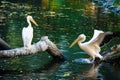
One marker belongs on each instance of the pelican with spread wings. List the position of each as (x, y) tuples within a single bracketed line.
[(93, 46)]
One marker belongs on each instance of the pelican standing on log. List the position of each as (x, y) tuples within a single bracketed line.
[(92, 47), (27, 32)]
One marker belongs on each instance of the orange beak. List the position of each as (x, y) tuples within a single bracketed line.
[(33, 21), (78, 39)]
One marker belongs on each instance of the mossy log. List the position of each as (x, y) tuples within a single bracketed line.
[(43, 45)]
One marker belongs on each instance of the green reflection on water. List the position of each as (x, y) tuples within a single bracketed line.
[(62, 21)]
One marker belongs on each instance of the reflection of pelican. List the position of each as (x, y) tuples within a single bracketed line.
[(92, 47), (92, 73), (27, 32)]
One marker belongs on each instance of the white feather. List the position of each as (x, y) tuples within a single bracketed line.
[(95, 36), (27, 32), (27, 35)]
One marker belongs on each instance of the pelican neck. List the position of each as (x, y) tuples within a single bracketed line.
[(29, 23)]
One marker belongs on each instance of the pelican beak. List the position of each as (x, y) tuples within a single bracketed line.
[(78, 39), (33, 21)]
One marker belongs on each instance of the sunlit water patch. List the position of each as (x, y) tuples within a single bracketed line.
[(82, 60)]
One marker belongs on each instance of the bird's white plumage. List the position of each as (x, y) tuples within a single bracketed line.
[(27, 32), (27, 35), (95, 36), (92, 47)]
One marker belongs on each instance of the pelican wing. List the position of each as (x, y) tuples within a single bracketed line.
[(95, 36), (100, 38)]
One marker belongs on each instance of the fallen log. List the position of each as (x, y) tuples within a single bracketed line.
[(112, 55), (43, 45)]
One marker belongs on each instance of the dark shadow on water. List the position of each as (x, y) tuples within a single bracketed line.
[(41, 73), (110, 71), (50, 66), (100, 71)]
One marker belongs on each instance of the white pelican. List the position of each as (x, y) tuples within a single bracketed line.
[(27, 32), (92, 47)]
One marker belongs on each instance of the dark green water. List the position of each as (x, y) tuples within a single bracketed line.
[(62, 21)]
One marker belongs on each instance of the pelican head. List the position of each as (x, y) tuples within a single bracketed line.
[(29, 18), (80, 38)]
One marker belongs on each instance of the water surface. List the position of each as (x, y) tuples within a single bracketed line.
[(62, 21)]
